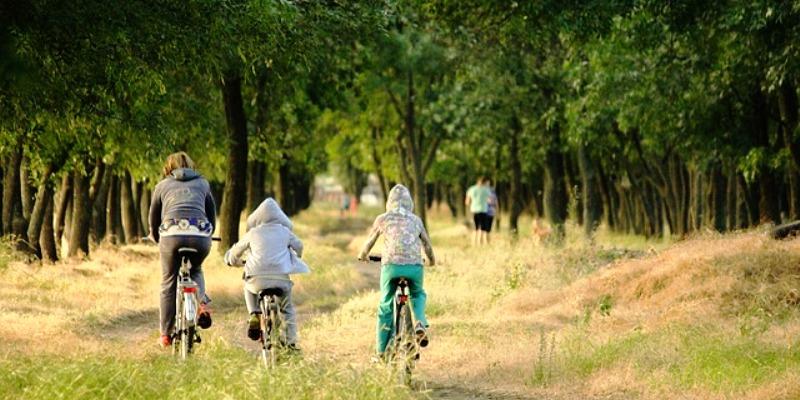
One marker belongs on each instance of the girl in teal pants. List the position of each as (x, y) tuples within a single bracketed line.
[(404, 238), (389, 274)]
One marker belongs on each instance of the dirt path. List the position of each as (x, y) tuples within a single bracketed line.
[(448, 392)]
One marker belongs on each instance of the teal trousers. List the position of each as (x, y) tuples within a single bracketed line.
[(389, 274)]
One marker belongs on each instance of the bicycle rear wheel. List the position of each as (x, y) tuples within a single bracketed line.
[(187, 331), (405, 345), (187, 341), (274, 333), (180, 325), (265, 331)]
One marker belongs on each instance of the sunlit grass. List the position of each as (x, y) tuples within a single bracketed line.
[(221, 371)]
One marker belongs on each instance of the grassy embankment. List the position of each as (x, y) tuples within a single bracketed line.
[(708, 317)]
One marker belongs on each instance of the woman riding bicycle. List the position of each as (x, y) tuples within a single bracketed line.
[(404, 234), (182, 214)]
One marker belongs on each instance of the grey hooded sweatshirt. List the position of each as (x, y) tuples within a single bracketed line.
[(404, 233), (184, 194), (274, 249)]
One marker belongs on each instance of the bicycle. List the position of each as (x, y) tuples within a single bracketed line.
[(187, 305), (272, 337), (404, 346)]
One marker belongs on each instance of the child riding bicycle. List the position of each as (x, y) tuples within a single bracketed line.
[(274, 253), (404, 234)]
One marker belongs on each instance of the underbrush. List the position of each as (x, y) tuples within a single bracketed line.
[(8, 253), (766, 291), (688, 357), (221, 371)]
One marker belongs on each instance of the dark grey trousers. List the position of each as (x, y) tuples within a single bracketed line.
[(170, 264)]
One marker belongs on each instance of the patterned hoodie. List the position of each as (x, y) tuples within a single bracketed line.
[(274, 249), (403, 232)]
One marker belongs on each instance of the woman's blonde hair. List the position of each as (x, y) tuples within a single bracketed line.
[(177, 160)]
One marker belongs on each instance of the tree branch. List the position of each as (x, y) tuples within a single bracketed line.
[(395, 102), (431, 155)]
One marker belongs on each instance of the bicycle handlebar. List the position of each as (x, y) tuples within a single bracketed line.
[(149, 239)]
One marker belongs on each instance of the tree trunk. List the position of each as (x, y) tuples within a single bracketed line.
[(26, 193), (555, 196), (515, 191), (79, 234), (732, 205), (574, 190), (459, 191), (47, 242), (293, 186), (99, 205), (592, 203), (719, 196), (137, 189), (788, 107), (376, 159), (609, 198), (114, 229), (62, 208), (415, 150), (130, 218), (233, 198), (698, 213), (43, 197), (750, 202), (767, 203), (255, 184), (11, 190), (144, 210), (3, 170)]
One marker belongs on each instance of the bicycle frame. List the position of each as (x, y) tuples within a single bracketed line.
[(403, 343)]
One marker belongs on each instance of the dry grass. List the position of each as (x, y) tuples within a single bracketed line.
[(709, 317)]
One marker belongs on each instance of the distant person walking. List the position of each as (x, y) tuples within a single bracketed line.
[(492, 207), (478, 202)]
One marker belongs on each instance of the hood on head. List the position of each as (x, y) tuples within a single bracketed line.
[(268, 212), (399, 197), (184, 174)]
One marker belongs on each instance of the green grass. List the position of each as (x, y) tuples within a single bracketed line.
[(221, 371), (691, 358), (729, 364)]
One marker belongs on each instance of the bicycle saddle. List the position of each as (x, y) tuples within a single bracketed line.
[(186, 250), (271, 292), (401, 281)]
